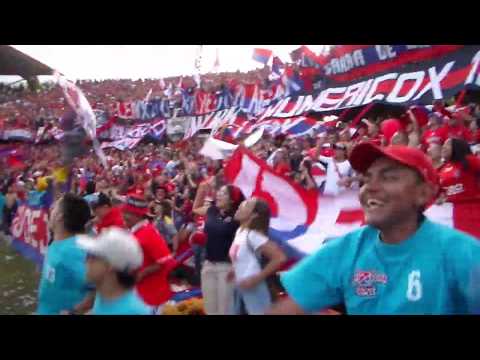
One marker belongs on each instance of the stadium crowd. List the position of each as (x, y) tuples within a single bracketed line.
[(182, 215)]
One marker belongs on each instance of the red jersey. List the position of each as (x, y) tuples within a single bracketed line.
[(155, 288), (170, 187), (438, 136), (112, 218), (282, 169), (458, 184), (476, 136), (458, 132), (326, 151)]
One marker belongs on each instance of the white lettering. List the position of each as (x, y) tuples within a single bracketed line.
[(335, 66), (281, 106), (417, 76), (350, 94), (32, 228), (273, 109), (343, 67), (358, 58), (359, 99), (348, 62), (435, 81), (18, 223), (294, 109), (474, 70), (369, 98), (385, 52), (330, 102), (454, 189), (306, 105)]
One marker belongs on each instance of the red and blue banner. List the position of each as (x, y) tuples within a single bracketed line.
[(303, 220), (350, 62), (30, 229), (261, 55)]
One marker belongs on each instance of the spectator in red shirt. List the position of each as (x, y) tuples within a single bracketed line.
[(434, 133), (475, 131), (455, 129), (460, 184), (107, 216), (152, 278), (435, 152)]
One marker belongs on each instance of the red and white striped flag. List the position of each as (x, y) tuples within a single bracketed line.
[(302, 220)]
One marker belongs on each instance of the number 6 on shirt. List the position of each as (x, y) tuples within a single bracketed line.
[(414, 289)]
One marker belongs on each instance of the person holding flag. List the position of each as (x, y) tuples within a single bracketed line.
[(400, 262)]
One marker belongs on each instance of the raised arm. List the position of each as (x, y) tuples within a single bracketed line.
[(199, 207)]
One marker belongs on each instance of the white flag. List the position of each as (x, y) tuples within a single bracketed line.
[(79, 103), (217, 149), (162, 84), (169, 91), (178, 90), (197, 79), (149, 94)]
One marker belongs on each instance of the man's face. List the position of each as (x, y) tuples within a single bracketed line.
[(245, 210), (434, 151), (392, 193), (160, 194)]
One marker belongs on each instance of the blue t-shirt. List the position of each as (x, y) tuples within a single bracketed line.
[(63, 283), (127, 304), (436, 271), (40, 198)]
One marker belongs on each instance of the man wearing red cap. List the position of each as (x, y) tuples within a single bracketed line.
[(401, 262), (152, 278)]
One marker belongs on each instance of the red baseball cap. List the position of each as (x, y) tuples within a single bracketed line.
[(136, 204), (364, 154)]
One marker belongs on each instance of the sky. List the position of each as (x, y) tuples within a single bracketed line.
[(147, 61)]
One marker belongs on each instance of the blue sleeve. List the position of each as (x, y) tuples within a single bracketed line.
[(464, 262), (315, 283)]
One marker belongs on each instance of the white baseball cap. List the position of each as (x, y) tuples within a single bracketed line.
[(118, 247)]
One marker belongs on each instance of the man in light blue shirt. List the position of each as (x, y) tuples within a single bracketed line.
[(112, 260), (63, 283), (401, 262)]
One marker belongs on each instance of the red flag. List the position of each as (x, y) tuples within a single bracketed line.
[(14, 162), (262, 55)]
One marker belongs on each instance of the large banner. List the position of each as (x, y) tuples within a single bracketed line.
[(30, 231), (411, 84), (127, 137), (350, 62), (303, 220), (398, 75), (19, 134)]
